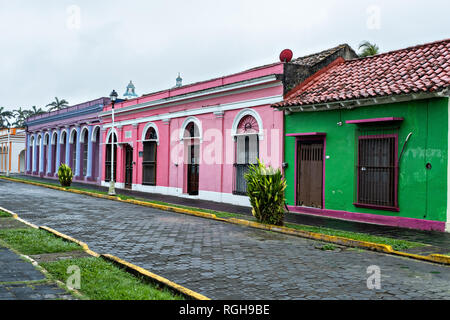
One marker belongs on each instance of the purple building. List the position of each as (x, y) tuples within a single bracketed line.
[(71, 136)]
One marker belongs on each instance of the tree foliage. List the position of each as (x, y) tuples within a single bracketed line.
[(368, 49)]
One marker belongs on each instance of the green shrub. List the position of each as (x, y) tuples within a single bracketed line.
[(65, 175), (265, 188)]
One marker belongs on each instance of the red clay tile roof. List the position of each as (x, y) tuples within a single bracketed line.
[(423, 68)]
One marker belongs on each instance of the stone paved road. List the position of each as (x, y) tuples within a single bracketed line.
[(223, 261)]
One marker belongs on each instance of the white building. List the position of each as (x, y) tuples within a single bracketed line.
[(13, 161)]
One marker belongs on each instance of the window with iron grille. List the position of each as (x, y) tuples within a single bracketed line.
[(85, 152), (149, 159), (247, 152), (108, 162), (377, 171), (74, 152)]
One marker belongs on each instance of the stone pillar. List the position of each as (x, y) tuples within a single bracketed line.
[(90, 159), (68, 147), (49, 154), (120, 174), (58, 151), (41, 154), (78, 154), (28, 153), (102, 167), (34, 153), (136, 161)]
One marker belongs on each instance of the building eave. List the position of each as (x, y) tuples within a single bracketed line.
[(356, 103)]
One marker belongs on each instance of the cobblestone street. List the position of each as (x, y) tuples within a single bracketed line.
[(220, 260)]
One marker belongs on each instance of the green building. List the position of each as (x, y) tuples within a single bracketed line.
[(367, 139)]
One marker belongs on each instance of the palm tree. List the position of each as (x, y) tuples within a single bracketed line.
[(368, 49), (58, 104), (35, 111), (5, 116), (20, 117)]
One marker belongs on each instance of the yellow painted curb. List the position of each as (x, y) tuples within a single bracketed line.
[(154, 277), (437, 258), (69, 238), (16, 217)]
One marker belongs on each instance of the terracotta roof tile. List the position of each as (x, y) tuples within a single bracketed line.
[(423, 68)]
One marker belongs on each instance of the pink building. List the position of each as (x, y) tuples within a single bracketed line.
[(197, 140)]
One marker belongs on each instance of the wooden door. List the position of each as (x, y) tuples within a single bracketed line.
[(310, 174), (128, 166), (193, 170)]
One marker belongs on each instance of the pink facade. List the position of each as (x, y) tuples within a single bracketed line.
[(204, 135)]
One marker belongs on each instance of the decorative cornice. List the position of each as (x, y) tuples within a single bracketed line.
[(204, 110), (244, 86)]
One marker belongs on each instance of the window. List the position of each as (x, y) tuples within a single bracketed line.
[(74, 151), (247, 151), (377, 172), (149, 160), (108, 158), (192, 152), (85, 152)]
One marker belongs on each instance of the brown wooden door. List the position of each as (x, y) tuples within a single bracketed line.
[(128, 167), (193, 170), (310, 174)]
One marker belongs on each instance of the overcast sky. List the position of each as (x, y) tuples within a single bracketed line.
[(81, 50)]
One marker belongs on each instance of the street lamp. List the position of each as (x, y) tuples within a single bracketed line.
[(113, 97)]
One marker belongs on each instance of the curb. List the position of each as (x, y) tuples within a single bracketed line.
[(129, 267), (138, 271), (435, 258), (70, 239)]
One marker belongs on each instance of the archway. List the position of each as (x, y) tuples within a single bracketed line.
[(112, 141), (149, 163), (246, 151), (191, 139)]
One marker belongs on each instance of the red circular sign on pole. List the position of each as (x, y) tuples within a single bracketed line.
[(286, 55)]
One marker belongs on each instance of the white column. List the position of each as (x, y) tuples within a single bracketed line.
[(68, 147), (49, 153), (28, 152), (34, 153), (89, 154), (78, 153), (41, 154)]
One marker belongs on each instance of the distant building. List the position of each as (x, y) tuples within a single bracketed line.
[(71, 136), (13, 161)]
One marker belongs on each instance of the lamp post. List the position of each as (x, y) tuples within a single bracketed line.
[(113, 97)]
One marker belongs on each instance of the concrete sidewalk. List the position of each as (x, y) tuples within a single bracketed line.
[(439, 241), (19, 280)]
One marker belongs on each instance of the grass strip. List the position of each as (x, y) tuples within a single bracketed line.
[(4, 214), (34, 241), (101, 280)]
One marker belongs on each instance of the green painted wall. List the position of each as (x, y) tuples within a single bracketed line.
[(422, 193)]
